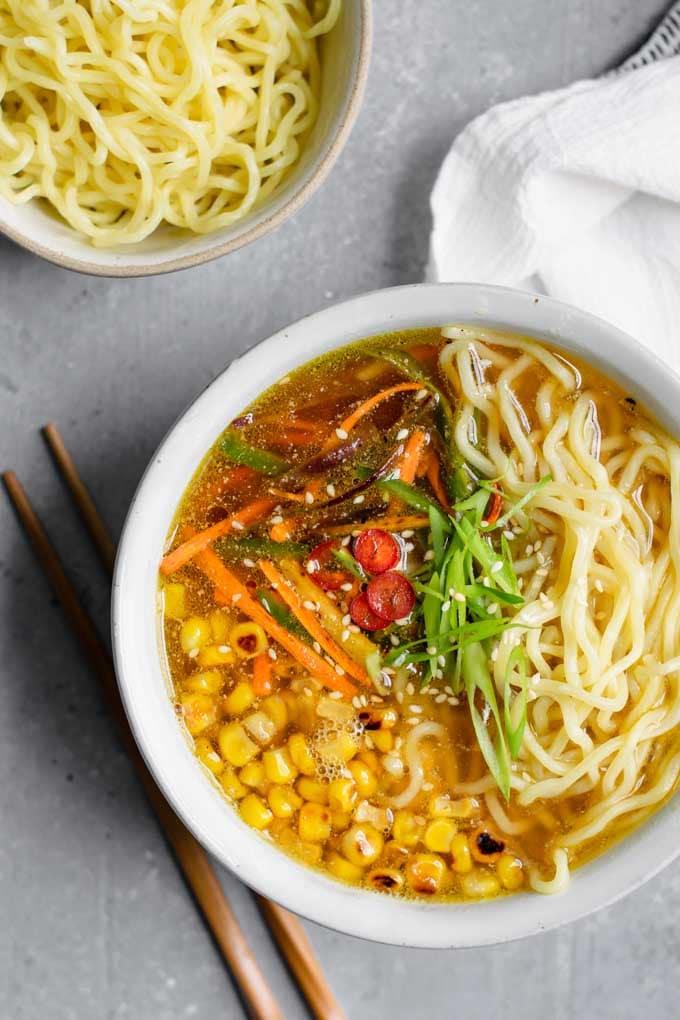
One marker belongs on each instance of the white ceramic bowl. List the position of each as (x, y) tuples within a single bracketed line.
[(145, 687), (345, 51)]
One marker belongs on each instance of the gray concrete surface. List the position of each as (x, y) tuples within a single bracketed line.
[(95, 921)]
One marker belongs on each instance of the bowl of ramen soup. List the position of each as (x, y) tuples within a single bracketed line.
[(396, 615), (141, 138)]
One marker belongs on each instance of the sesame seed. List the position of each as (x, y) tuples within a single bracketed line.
[(448, 689), (421, 394), (441, 660), (307, 692), (354, 629), (493, 608), (413, 720), (529, 549), (237, 526), (308, 604), (598, 585), (347, 586), (346, 540), (440, 699), (335, 695), (331, 662), (453, 701), (509, 535), (398, 743), (431, 649), (438, 674), (311, 567), (236, 596), (410, 689), (409, 546), (429, 555), (356, 702), (368, 740), (416, 709), (317, 647), (541, 572), (409, 533), (364, 700), (541, 558), (427, 787), (537, 545), (339, 670), (494, 653), (486, 582), (459, 597), (272, 654), (399, 450), (193, 653), (345, 635), (309, 497), (346, 620), (495, 567), (359, 499), (394, 640), (330, 489), (399, 696), (341, 433), (248, 563), (402, 434)]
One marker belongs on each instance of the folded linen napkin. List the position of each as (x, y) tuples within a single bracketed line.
[(576, 193)]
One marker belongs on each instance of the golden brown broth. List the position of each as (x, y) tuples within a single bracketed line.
[(294, 419)]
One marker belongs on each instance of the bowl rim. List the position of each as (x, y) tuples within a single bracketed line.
[(330, 151), (143, 685)]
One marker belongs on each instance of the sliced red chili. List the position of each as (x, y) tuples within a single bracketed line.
[(376, 551), (363, 615), (494, 507), (391, 596), (322, 566)]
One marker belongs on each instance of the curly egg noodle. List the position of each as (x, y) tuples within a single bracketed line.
[(603, 639), (124, 114)]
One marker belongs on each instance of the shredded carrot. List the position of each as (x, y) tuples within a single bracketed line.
[(363, 409), (202, 539), (433, 473), (262, 675), (410, 458), (282, 531), (310, 622), (392, 522), (291, 497), (231, 590)]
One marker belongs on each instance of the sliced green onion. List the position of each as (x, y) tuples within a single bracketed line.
[(477, 678), (237, 450), (514, 727), (282, 614), (521, 503), (349, 563)]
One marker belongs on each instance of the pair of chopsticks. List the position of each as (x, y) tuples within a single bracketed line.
[(190, 856)]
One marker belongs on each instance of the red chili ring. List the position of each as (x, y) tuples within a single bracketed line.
[(391, 596), (320, 564), (377, 551), (363, 615)]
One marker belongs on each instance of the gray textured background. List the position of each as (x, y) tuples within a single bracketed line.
[(95, 921)]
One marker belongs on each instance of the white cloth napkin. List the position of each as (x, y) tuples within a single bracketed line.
[(576, 193)]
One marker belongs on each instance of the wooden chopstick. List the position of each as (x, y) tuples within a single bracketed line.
[(286, 929), (191, 857)]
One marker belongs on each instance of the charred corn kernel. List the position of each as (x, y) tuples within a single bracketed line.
[(340, 820), (383, 740), (485, 845), (248, 639), (438, 835), (362, 845), (425, 873), (407, 828), (370, 758), (311, 853), (278, 766), (388, 879), (461, 858), (208, 681), (174, 600), (444, 807), (232, 785), (260, 726), (220, 624), (374, 719), (312, 790), (215, 655), (510, 872), (236, 747), (341, 747), (276, 709), (206, 753), (364, 777), (301, 754), (342, 794), (342, 868), (194, 633), (479, 885), (284, 801), (314, 823), (239, 699), (200, 712), (253, 774), (255, 812)]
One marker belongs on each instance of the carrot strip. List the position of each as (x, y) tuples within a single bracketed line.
[(202, 539), (433, 473), (262, 675), (389, 523), (409, 460), (291, 497), (231, 590), (363, 409), (310, 622)]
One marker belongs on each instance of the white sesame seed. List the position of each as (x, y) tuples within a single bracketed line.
[(248, 563), (429, 555), (335, 695), (529, 549), (494, 653), (438, 674), (441, 660), (413, 720), (237, 526), (359, 499), (416, 709), (598, 585), (311, 567), (309, 497), (346, 540), (409, 533), (193, 653), (347, 586), (356, 702), (368, 740), (495, 567), (364, 700), (509, 535), (486, 582), (330, 489), (317, 647), (421, 394), (440, 699), (224, 649), (493, 608), (354, 629), (394, 641), (331, 662), (307, 692), (431, 649), (399, 696), (448, 689), (446, 606), (537, 545), (339, 670), (398, 743), (272, 654), (427, 787), (402, 434), (345, 635), (399, 450), (541, 558), (236, 596), (410, 689), (453, 701), (542, 572), (346, 620), (308, 604), (409, 546), (459, 597), (341, 433)]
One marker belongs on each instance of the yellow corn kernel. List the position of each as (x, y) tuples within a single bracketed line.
[(394, 855), (239, 699), (236, 747), (290, 699), (425, 873), (288, 838), (370, 758), (200, 712), (255, 812), (278, 766), (340, 820), (387, 879), (208, 681), (260, 726), (312, 790), (253, 774), (220, 624), (461, 858), (284, 801), (194, 633), (207, 754), (275, 707), (407, 828), (364, 777), (444, 807), (362, 845), (341, 747), (383, 740), (311, 853), (215, 655), (314, 823), (438, 835), (248, 639), (232, 785), (174, 600), (342, 868), (510, 871), (301, 754), (480, 885), (342, 794)]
